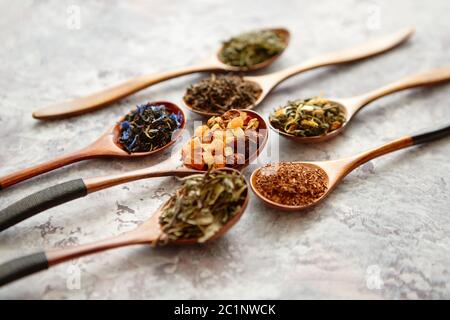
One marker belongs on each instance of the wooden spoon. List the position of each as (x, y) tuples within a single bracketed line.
[(106, 97), (78, 188), (336, 170), (106, 146), (269, 81), (350, 106), (148, 232)]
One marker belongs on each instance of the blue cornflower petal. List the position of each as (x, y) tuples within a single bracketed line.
[(124, 125), (132, 144), (158, 108), (173, 117), (141, 108), (125, 135), (176, 118)]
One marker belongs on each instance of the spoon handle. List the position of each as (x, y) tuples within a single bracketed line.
[(133, 237), (356, 53), (41, 201), (22, 267), (401, 143), (432, 77), (430, 135), (59, 162), (105, 97), (27, 265), (71, 190)]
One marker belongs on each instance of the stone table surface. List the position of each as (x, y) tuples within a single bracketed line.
[(383, 233)]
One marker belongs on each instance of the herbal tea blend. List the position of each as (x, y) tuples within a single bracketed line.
[(221, 93), (203, 205), (251, 48), (225, 140), (148, 128), (307, 118), (291, 184)]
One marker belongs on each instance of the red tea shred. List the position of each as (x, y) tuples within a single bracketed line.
[(291, 184)]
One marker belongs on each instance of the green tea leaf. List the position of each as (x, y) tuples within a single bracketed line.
[(202, 205)]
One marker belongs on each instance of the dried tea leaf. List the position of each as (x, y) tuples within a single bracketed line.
[(148, 128), (251, 48), (221, 93), (308, 118), (202, 205)]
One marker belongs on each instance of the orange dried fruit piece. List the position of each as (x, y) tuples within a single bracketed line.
[(236, 123)]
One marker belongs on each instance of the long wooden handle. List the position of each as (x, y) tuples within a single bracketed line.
[(22, 267), (64, 192), (108, 96), (59, 162), (432, 77), (56, 256), (41, 201), (356, 53), (27, 265), (100, 183), (423, 137)]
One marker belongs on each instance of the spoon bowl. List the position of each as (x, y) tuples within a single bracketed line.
[(114, 133), (284, 207), (322, 138), (213, 114), (263, 129), (285, 36), (231, 222)]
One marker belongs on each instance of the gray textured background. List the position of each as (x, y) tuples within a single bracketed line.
[(391, 215)]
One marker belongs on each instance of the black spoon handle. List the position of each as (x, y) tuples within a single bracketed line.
[(41, 201), (21, 267), (428, 135)]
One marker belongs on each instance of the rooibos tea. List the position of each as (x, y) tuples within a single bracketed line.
[(291, 184)]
